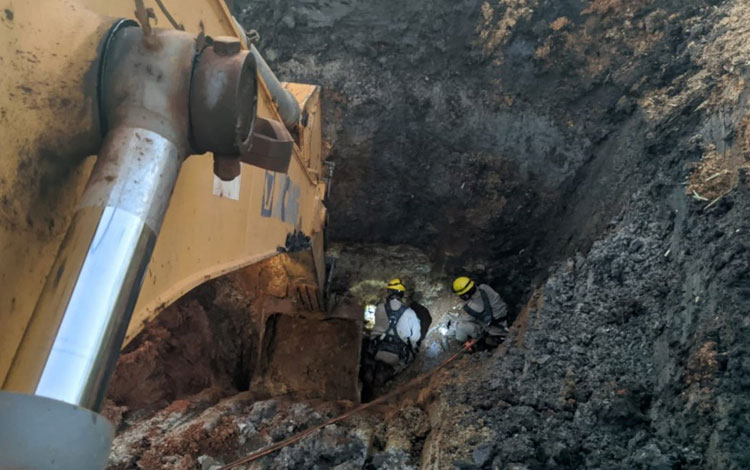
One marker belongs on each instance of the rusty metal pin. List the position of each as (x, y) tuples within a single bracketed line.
[(226, 168), (227, 45)]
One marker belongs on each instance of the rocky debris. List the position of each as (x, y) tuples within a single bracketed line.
[(632, 356), (628, 363), (524, 141), (200, 433), (530, 129)]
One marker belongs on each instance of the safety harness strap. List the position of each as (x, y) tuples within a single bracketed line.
[(391, 342), (393, 317), (485, 316)]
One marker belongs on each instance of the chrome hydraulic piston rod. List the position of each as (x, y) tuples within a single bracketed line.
[(147, 88), (94, 282), (119, 217)]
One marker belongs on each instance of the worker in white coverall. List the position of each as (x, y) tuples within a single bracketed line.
[(397, 329), (485, 315)]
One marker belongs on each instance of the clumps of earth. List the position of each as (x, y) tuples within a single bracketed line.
[(589, 160)]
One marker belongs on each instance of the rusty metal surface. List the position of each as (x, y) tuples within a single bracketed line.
[(148, 87), (288, 365), (271, 148), (223, 98), (227, 45), (287, 317), (227, 168)]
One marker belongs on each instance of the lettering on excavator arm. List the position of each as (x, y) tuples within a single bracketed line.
[(280, 198)]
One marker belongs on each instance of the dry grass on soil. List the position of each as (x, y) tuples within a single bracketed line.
[(717, 173), (601, 7)]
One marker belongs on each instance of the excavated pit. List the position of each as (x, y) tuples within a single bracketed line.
[(248, 330), (588, 159)]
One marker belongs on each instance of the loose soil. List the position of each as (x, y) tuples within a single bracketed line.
[(589, 161)]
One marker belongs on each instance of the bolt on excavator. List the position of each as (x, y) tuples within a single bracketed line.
[(147, 148)]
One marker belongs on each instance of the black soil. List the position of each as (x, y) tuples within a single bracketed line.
[(638, 357), (540, 140), (492, 135)]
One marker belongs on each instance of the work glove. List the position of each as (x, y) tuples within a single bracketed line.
[(469, 345)]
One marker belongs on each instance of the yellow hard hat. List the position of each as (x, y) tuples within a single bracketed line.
[(462, 285), (396, 284)]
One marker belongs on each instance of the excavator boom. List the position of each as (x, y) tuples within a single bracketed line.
[(147, 148)]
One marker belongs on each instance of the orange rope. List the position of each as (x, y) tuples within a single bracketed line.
[(301, 435)]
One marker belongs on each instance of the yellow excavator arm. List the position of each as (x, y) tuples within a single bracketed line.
[(204, 163)]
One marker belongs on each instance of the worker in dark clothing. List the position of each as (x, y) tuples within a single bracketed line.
[(485, 315)]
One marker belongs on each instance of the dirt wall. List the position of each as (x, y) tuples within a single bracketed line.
[(204, 340), (595, 148), (501, 136), (594, 152)]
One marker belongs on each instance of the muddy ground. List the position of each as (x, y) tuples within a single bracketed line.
[(590, 161)]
